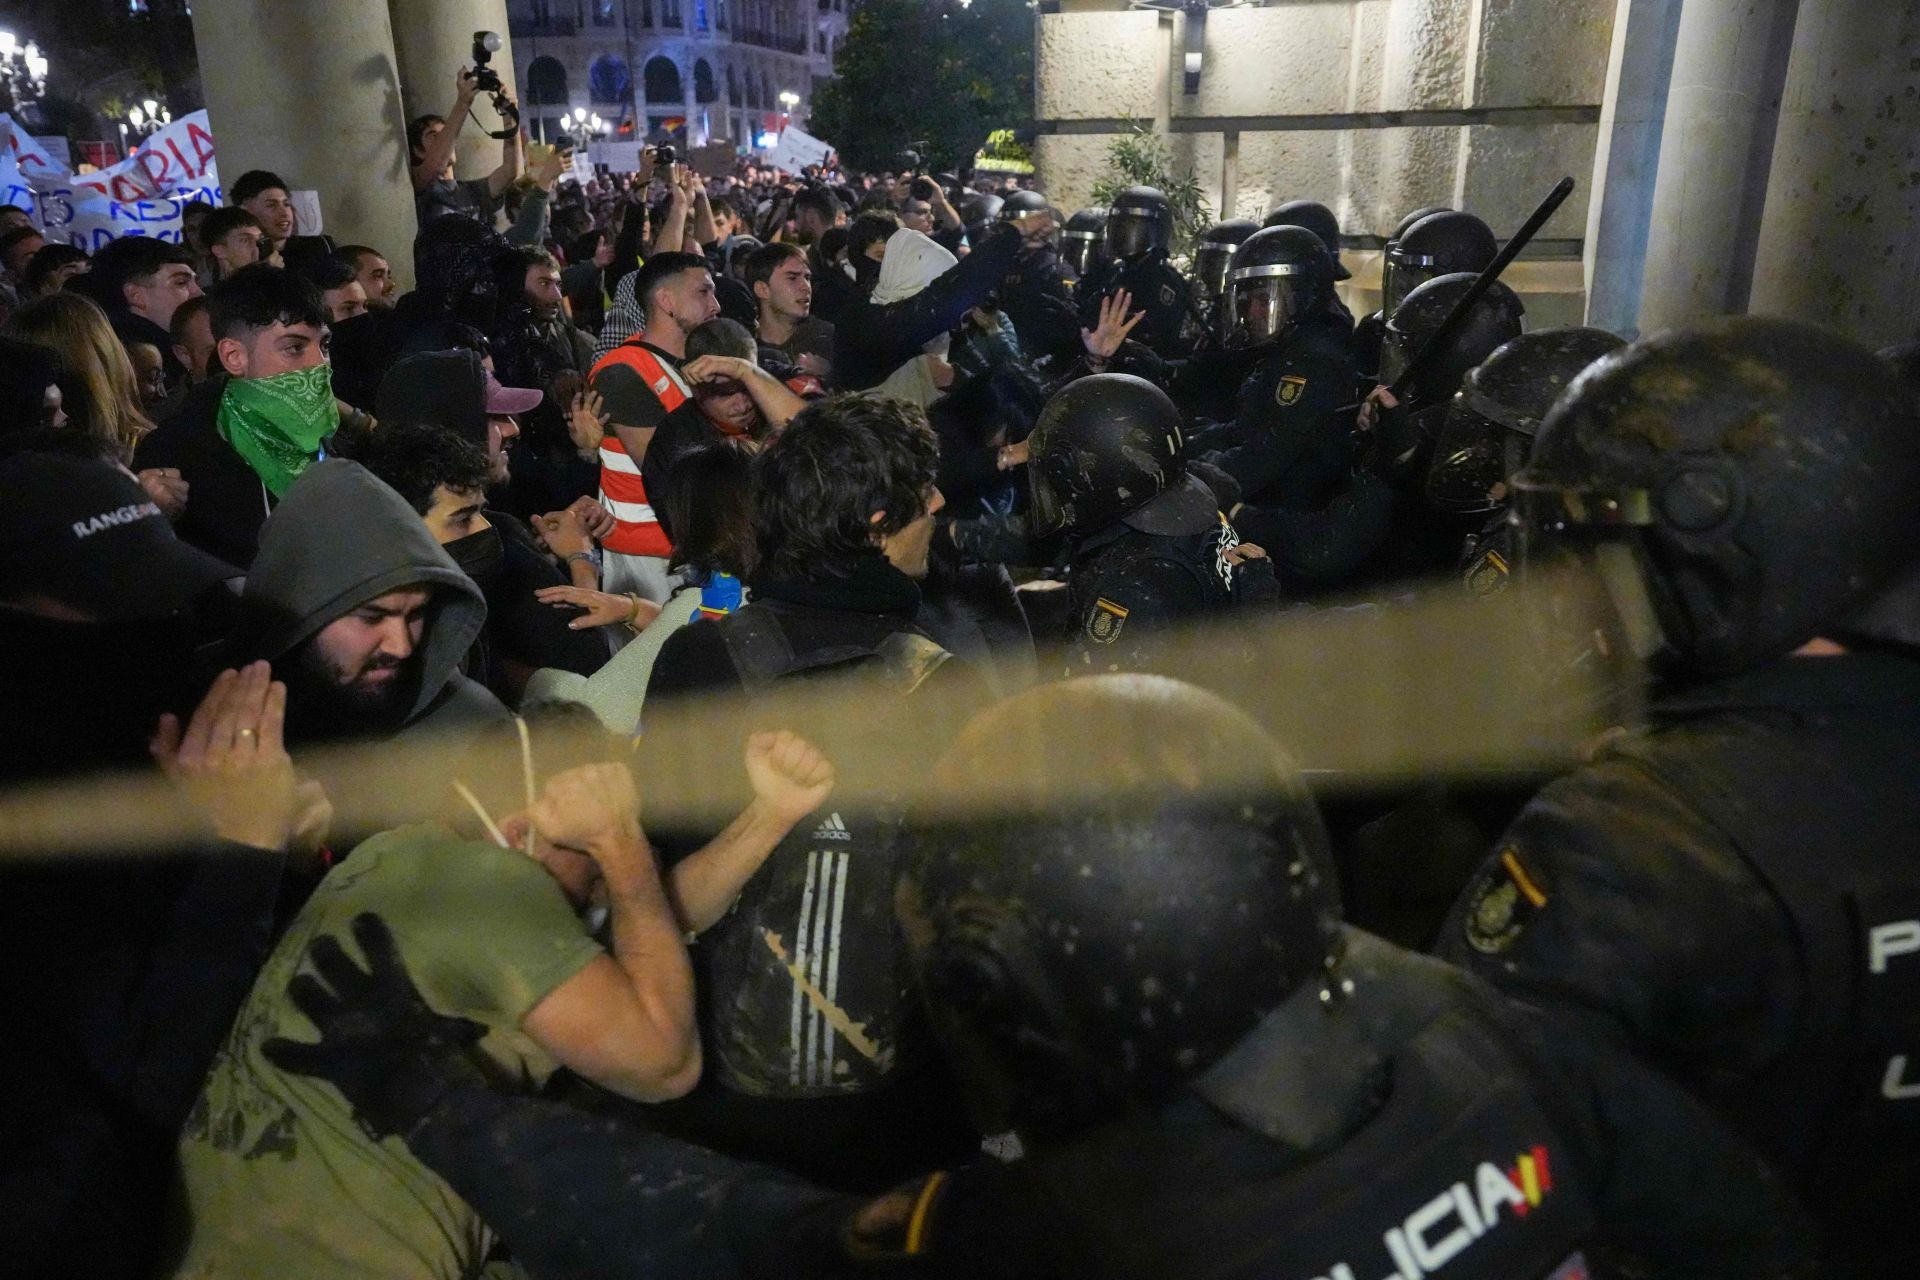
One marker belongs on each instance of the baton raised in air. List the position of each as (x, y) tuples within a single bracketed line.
[(1463, 308)]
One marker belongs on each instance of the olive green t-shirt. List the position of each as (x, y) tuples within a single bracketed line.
[(277, 1179)]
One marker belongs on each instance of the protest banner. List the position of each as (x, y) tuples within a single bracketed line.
[(797, 149), (143, 195)]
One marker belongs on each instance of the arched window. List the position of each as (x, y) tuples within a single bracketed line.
[(663, 81), (546, 82), (608, 79), (703, 90), (753, 90)]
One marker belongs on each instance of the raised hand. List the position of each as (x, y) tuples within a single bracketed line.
[(790, 777), (587, 421), (231, 761), (1105, 338), (589, 808)]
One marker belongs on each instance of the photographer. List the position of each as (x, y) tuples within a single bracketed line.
[(430, 145)]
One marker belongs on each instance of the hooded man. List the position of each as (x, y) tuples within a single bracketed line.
[(363, 615)]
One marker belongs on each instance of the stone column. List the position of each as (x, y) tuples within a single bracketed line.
[(310, 92), (1840, 240), (1626, 161), (1716, 153), (432, 40)]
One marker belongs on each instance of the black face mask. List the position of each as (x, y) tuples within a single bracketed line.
[(86, 695), (480, 555)]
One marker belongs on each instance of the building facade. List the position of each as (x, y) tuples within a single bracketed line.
[(721, 66)]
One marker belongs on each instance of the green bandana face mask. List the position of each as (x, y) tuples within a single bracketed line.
[(277, 423)]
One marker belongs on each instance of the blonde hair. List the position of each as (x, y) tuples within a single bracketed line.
[(93, 363)]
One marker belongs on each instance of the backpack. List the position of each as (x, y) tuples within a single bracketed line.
[(806, 984)]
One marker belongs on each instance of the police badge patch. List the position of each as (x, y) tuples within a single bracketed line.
[(1503, 900), (1167, 295), (1104, 626), (1291, 388)]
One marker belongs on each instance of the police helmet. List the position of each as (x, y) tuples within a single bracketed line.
[(1019, 203), (1492, 420), (1495, 319), (1083, 241), (1738, 488), (1214, 254), (1316, 218), (1439, 244), (1139, 222), (1110, 930), (1106, 449), (978, 211), (1278, 276)]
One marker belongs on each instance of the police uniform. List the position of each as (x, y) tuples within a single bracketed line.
[(1155, 287), (1501, 1151), (1294, 424), (1036, 297), (1736, 894), (1128, 588)]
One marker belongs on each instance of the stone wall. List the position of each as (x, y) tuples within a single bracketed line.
[(1373, 107)]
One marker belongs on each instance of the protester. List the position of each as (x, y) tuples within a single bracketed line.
[(341, 292), (431, 144), (268, 198), (232, 238), (156, 947), (503, 933), (49, 270), (444, 478), (640, 382), (243, 437), (140, 283), (372, 270)]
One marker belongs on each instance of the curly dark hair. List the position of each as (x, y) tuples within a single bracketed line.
[(817, 487), (416, 458)]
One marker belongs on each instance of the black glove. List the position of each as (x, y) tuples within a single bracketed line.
[(380, 1045)]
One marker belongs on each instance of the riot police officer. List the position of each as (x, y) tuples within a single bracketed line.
[(1034, 292), (1367, 334), (1489, 430), (1211, 258), (1139, 229), (1732, 890), (1400, 434), (1440, 244), (1083, 243), (1135, 962), (1149, 546), (1320, 220), (1291, 437)]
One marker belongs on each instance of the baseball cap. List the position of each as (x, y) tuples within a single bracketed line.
[(505, 402), (85, 533)]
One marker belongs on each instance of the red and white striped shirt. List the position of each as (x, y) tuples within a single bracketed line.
[(637, 530)]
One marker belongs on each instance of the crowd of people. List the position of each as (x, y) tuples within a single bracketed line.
[(976, 467)]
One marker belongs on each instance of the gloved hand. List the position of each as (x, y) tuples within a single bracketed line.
[(380, 1044)]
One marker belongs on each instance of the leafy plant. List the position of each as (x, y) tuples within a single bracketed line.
[(1141, 157)]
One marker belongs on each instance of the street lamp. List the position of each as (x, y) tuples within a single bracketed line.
[(23, 72), (788, 101)]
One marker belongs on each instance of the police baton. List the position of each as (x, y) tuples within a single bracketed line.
[(1437, 344)]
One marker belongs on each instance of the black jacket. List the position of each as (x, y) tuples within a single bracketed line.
[(871, 341), (226, 501), (1728, 893)]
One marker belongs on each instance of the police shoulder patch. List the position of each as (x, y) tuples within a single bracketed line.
[(1292, 387), (1502, 900), (1167, 295), (1103, 626)]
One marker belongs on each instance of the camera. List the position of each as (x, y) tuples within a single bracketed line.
[(487, 80), (923, 188), (662, 155)]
